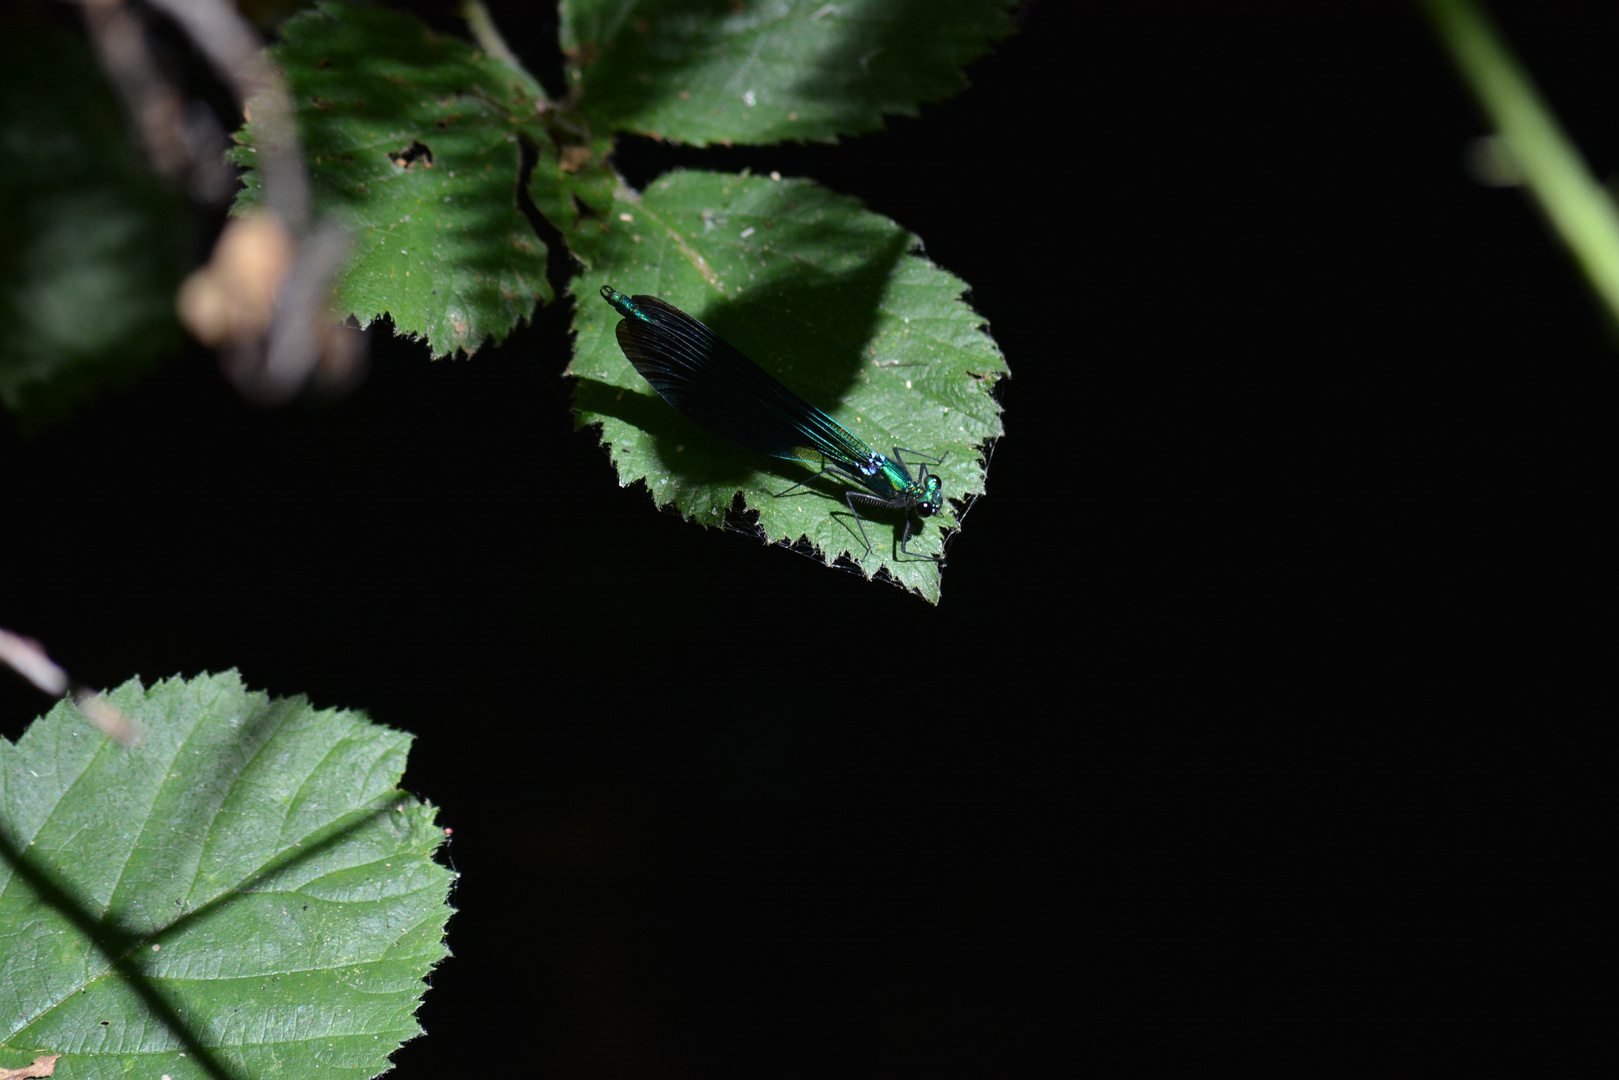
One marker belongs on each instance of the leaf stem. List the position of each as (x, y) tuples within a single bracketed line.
[(1578, 206), (487, 35)]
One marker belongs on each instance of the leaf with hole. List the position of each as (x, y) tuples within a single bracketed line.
[(417, 141)]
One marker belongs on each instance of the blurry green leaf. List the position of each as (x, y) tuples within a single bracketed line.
[(416, 141), (244, 893), (92, 244), (768, 71), (828, 298)]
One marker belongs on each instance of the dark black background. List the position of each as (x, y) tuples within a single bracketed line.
[(1252, 720)]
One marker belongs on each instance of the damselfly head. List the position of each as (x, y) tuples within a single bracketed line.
[(932, 494)]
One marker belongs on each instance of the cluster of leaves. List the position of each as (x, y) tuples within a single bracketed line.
[(422, 142), (246, 892), (243, 893)]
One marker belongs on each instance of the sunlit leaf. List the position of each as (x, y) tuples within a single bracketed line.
[(417, 141), (244, 893), (830, 299), (769, 71)]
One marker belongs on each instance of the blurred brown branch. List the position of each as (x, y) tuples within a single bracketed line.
[(261, 302)]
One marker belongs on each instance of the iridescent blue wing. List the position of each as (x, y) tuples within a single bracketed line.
[(708, 379)]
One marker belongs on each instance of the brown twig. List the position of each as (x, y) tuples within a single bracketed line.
[(28, 658), (261, 301)]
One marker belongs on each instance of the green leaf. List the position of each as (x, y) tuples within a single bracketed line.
[(806, 70), (830, 299), (245, 893), (416, 140), (92, 244)]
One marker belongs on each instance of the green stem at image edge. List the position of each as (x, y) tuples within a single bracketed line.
[(1579, 208)]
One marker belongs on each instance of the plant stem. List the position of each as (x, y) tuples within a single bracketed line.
[(1579, 207), (487, 35)]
